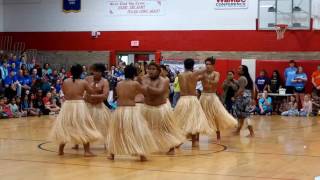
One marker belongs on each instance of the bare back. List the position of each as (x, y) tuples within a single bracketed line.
[(188, 82), (74, 90), (127, 90), (157, 92), (210, 82)]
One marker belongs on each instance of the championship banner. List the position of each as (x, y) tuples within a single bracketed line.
[(231, 4), (71, 5), (136, 7)]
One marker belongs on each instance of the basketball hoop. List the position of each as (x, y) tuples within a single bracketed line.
[(280, 30)]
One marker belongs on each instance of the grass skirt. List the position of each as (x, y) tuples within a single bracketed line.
[(101, 117), (74, 124), (217, 115), (190, 116), (164, 129), (129, 133)]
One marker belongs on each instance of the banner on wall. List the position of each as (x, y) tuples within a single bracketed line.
[(136, 7), (231, 4), (71, 5)]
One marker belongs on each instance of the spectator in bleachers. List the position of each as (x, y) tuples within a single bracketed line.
[(289, 75), (14, 60), (45, 85), (38, 103), (62, 74), (58, 86), (14, 68), (50, 104), (262, 82), (84, 73), (31, 65), (4, 70), (29, 106), (14, 108), (3, 113), (299, 81), (46, 70), (306, 106), (229, 87), (23, 113), (10, 84), (292, 108)]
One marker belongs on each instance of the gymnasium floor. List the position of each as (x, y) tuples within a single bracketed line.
[(284, 148)]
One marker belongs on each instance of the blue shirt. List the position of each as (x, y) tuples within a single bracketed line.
[(28, 80), (261, 82), (300, 85), (290, 74), (263, 102), (10, 80), (21, 80)]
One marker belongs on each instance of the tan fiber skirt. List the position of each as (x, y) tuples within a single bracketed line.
[(163, 127), (129, 133), (190, 116), (217, 115), (74, 124), (101, 117)]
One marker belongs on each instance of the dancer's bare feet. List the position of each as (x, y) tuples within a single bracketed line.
[(88, 154), (61, 148), (143, 158), (111, 157), (171, 152), (218, 137), (76, 147), (195, 143)]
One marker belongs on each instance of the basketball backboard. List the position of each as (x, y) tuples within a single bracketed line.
[(294, 13)]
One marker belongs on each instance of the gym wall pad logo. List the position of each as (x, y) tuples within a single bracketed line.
[(231, 4)]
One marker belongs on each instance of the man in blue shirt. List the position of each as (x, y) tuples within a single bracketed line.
[(289, 75), (262, 82), (10, 84)]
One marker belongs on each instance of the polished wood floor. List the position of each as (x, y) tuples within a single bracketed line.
[(284, 148)]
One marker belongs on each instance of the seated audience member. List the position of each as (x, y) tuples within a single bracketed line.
[(262, 82), (29, 107), (38, 103), (315, 103), (14, 108), (306, 106), (292, 108), (283, 106), (3, 114), (55, 96), (23, 112), (4, 70), (50, 104), (265, 104)]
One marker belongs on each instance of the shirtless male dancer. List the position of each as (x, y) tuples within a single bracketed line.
[(74, 123), (217, 115), (158, 112), (188, 112)]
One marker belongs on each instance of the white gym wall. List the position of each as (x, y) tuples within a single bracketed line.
[(47, 15), (1, 16)]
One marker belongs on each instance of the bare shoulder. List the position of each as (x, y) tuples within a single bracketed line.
[(89, 78), (216, 73)]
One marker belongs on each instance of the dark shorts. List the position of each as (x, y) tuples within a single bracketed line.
[(289, 89), (300, 90)]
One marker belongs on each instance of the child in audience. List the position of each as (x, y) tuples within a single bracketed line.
[(265, 104), (315, 104), (283, 106), (50, 104), (6, 109), (3, 115), (306, 106), (29, 106), (23, 113), (14, 108), (292, 108)]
